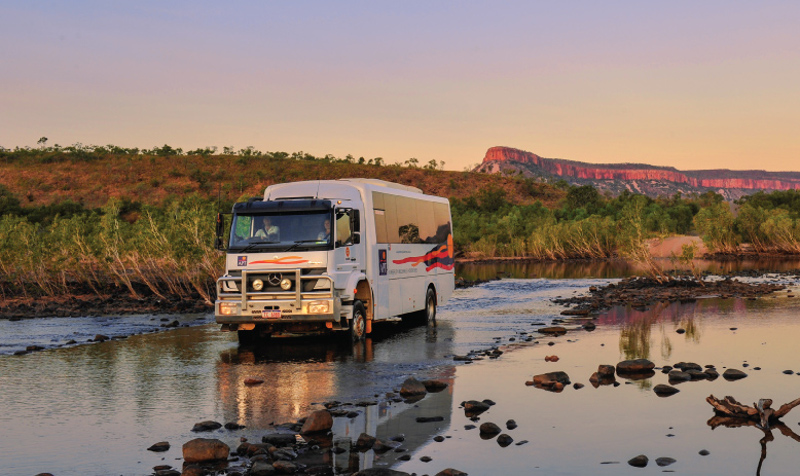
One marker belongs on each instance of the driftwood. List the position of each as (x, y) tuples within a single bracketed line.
[(762, 412), (732, 414)]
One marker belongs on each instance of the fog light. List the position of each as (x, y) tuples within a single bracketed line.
[(229, 308), (286, 284), (258, 285), (319, 307)]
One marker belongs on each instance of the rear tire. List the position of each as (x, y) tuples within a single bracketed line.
[(358, 324), (429, 314)]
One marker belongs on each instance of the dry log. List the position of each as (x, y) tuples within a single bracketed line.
[(731, 408), (761, 412), (784, 409)]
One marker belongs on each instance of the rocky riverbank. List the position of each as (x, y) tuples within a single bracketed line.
[(642, 292), (110, 300)]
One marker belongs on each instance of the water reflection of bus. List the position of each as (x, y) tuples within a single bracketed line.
[(298, 376)]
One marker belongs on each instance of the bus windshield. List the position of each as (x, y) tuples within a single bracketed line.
[(281, 232)]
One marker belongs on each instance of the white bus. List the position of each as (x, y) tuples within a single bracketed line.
[(333, 255)]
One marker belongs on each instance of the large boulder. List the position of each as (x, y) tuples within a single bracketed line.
[(204, 449), (320, 420)]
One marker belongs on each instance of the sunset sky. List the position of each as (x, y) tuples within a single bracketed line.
[(694, 85)]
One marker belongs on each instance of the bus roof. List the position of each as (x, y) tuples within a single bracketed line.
[(383, 183)]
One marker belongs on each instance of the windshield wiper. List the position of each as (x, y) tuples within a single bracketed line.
[(300, 242), (253, 244)]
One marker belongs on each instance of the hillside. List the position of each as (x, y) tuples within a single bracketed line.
[(153, 179), (638, 178)]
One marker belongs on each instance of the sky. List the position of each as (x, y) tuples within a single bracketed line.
[(688, 84)]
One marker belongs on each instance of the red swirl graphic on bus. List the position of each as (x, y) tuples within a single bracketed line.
[(439, 257), (284, 260)]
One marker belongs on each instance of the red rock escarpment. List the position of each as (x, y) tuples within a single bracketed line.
[(728, 179)]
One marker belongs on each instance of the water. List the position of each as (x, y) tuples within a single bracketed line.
[(93, 409)]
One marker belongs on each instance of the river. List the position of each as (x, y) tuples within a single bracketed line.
[(94, 408)]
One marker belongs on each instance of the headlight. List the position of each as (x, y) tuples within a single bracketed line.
[(286, 284), (258, 285), (319, 307), (229, 308)]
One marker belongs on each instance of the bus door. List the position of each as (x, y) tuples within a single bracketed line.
[(349, 248)]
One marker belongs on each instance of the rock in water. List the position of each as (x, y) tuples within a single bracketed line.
[(320, 420), (451, 472), (634, 366), (553, 331), (434, 386), (605, 371), (160, 446), (551, 380), (504, 440), (261, 468), (365, 441), (676, 376), (474, 408), (412, 387), (665, 461), (207, 425), (380, 472), (204, 449), (733, 374), (639, 461), (665, 390), (489, 428)]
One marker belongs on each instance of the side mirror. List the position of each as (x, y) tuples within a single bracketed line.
[(219, 241), (355, 222)]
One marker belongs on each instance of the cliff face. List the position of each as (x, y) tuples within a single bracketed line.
[(641, 178)]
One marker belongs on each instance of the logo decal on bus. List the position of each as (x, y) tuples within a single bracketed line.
[(241, 261), (439, 257)]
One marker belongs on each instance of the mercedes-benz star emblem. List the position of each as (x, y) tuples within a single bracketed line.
[(274, 279)]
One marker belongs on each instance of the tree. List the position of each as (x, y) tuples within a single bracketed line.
[(715, 224), (42, 141)]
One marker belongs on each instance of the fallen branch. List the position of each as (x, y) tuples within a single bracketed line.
[(761, 412)]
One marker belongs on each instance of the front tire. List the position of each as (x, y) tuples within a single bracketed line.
[(358, 324)]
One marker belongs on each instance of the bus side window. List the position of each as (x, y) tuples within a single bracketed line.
[(344, 234)]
